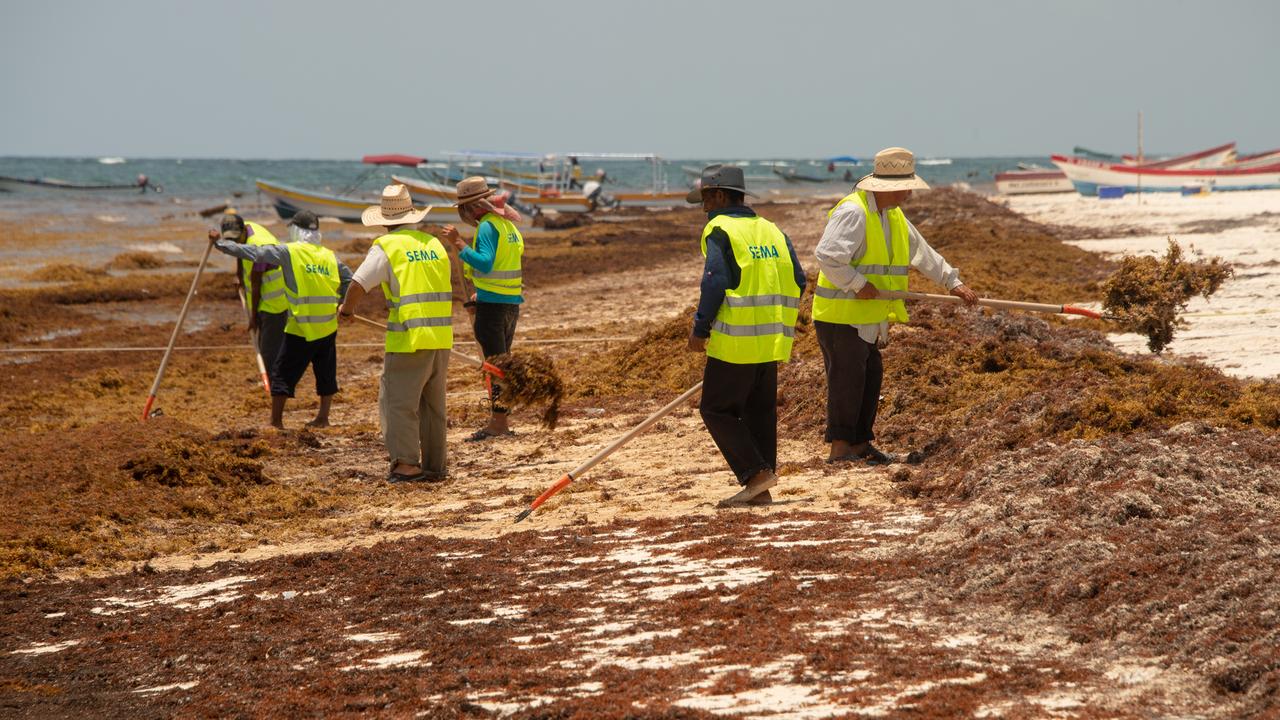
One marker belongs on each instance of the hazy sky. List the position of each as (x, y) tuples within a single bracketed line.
[(747, 79)]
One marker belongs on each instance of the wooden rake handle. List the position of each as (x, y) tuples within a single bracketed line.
[(993, 303), (482, 364)]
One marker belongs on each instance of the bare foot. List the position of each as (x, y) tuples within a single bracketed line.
[(319, 423)]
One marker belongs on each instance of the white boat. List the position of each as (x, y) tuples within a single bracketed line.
[(1032, 180), (289, 201), (1088, 175), (1044, 180)]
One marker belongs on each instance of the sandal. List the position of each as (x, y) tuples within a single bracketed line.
[(875, 456), (395, 477), (484, 434)]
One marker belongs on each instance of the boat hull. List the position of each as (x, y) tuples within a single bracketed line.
[(39, 185), (1088, 175), (1028, 182), (289, 201), (437, 194)]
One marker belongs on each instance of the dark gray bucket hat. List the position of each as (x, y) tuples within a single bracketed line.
[(728, 177)]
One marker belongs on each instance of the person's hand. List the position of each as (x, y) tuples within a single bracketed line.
[(696, 344), (253, 322), (868, 292), (344, 313), (450, 233), (970, 297), (213, 236)]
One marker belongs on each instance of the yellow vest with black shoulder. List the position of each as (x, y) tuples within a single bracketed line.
[(504, 278), (882, 269), (756, 322), (272, 287), (420, 293), (313, 307)]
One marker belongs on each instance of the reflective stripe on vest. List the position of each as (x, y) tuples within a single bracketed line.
[(756, 321), (881, 268), (313, 301), (272, 287), (419, 292), (504, 278)]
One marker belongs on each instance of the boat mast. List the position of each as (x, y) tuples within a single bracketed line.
[(1140, 157)]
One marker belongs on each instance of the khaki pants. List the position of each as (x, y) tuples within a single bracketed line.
[(411, 404)]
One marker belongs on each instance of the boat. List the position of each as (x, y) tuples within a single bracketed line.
[(289, 201), (13, 184), (1032, 180), (1035, 179), (1270, 157), (438, 195), (1088, 175), (793, 176)]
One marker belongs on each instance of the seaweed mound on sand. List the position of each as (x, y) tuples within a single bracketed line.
[(78, 496), (1164, 542), (1148, 293), (530, 379)]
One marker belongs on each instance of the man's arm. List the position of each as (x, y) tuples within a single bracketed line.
[(844, 239), (800, 277), (935, 267), (486, 250), (715, 281), (344, 275), (266, 254)]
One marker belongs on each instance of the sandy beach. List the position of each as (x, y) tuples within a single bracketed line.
[(1082, 530), (1238, 329)]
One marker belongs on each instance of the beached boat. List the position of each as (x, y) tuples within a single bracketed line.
[(1031, 180), (13, 184), (1088, 175), (289, 200), (1270, 157), (1045, 180), (437, 194)]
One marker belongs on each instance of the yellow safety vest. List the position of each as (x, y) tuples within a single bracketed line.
[(885, 272), (756, 322), (504, 278), (313, 307), (420, 293), (273, 299)]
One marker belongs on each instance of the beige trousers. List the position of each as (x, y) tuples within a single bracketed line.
[(411, 404)]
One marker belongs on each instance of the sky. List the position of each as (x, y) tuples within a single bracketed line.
[(695, 79)]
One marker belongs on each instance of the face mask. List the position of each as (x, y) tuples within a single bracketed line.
[(297, 234)]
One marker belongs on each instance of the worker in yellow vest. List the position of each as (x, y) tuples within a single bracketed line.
[(314, 282), (492, 261), (745, 323), (417, 277), (263, 284), (868, 246)]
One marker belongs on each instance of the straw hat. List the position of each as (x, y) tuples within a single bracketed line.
[(895, 169), (396, 209), (472, 189)]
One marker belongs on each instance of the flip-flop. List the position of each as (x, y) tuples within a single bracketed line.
[(395, 477), (843, 458)]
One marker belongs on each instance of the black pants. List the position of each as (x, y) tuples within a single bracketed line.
[(495, 329), (740, 409), (296, 353), (271, 335), (854, 374)]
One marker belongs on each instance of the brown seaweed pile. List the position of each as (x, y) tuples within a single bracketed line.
[(1166, 540), (1148, 293), (136, 261), (653, 365), (63, 272), (530, 379)]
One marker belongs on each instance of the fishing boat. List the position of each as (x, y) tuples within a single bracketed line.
[(1088, 175), (437, 195), (13, 184), (796, 177), (1033, 179), (1270, 157), (289, 201)]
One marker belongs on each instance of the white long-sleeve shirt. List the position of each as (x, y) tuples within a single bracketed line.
[(845, 238)]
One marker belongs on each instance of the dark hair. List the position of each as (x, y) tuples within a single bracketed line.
[(735, 197)]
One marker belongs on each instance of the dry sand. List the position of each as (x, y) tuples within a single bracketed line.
[(1238, 329)]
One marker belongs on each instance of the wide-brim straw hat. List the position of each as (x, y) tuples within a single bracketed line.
[(894, 169), (471, 189), (396, 208)]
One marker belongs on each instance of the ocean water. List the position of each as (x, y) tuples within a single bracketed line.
[(193, 184)]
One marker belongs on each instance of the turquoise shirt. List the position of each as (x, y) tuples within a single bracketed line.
[(481, 260)]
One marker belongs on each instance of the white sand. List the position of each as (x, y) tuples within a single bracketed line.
[(1238, 330)]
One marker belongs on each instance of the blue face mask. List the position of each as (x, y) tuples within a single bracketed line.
[(297, 234)]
